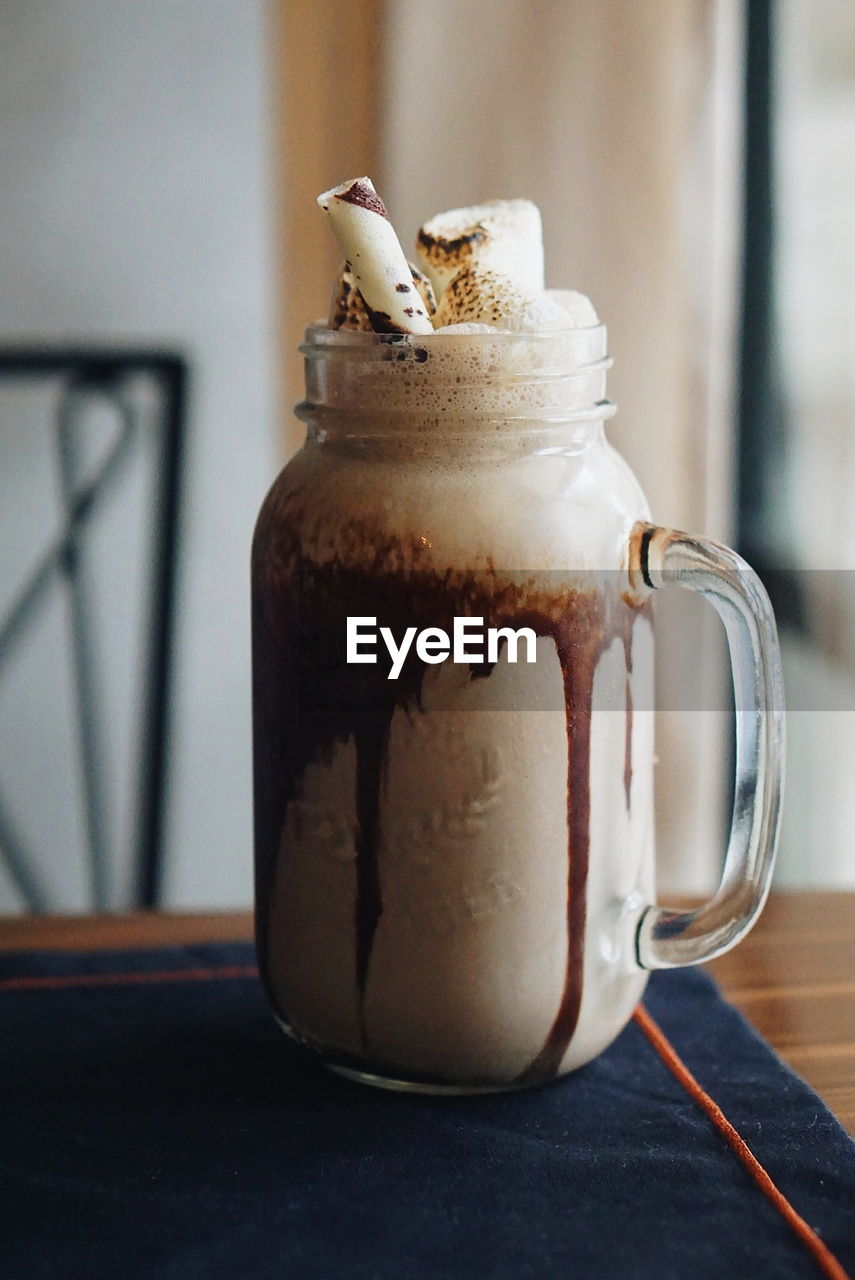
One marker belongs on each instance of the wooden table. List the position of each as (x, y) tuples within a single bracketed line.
[(793, 977)]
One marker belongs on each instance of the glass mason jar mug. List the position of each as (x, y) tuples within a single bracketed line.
[(452, 666)]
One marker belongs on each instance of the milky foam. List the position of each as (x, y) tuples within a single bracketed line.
[(470, 371), (498, 469)]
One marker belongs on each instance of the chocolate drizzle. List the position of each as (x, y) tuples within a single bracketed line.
[(627, 750), (308, 699), (581, 637), (364, 196), (371, 739)]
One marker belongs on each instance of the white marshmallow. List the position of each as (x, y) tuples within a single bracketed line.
[(483, 296), (578, 306), (502, 235), (375, 257)]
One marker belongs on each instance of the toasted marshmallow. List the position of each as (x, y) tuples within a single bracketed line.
[(375, 257), (578, 306), (502, 235), (348, 309), (482, 296)]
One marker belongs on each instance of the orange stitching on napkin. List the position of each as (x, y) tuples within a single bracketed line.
[(127, 979), (822, 1255)]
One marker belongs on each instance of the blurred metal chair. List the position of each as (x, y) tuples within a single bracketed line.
[(82, 377)]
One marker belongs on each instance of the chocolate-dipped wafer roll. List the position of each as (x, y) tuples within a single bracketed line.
[(348, 309), (375, 257)]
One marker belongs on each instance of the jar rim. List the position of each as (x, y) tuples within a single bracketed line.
[(321, 335), (495, 377)]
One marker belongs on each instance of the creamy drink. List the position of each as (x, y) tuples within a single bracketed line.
[(453, 840)]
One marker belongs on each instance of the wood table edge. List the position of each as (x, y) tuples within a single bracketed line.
[(745, 976)]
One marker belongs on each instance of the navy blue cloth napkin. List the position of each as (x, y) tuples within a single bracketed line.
[(167, 1128)]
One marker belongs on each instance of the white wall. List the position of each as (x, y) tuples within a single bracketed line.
[(135, 160)]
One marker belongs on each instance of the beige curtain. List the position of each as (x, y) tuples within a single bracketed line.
[(621, 119)]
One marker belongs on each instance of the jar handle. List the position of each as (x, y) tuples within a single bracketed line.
[(669, 937)]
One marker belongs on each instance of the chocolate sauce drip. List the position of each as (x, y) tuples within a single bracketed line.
[(371, 739), (578, 655), (627, 750), (307, 698), (579, 650)]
